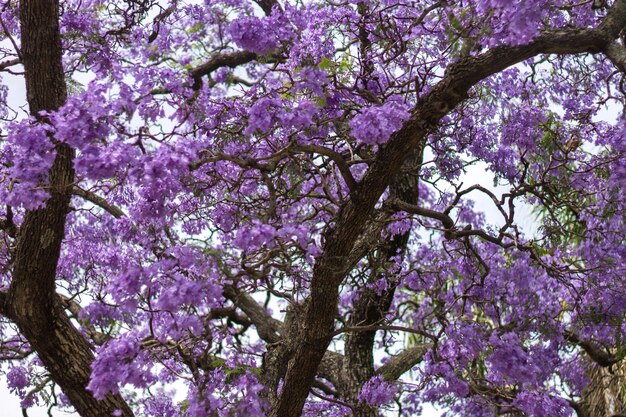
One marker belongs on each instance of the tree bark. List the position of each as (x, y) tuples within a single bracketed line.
[(604, 394)]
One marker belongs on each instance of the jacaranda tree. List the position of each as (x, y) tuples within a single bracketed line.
[(262, 208)]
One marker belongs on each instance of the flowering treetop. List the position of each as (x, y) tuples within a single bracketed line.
[(264, 202)]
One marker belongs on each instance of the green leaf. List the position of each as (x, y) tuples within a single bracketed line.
[(326, 63)]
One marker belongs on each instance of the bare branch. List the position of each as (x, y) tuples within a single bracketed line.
[(403, 362), (8, 225), (617, 54), (3, 302), (445, 220), (598, 355), (331, 367), (9, 63), (231, 59), (268, 5), (268, 328), (98, 201), (579, 408), (341, 163)]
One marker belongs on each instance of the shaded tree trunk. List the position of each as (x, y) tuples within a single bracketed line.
[(32, 302), (372, 306), (605, 394)]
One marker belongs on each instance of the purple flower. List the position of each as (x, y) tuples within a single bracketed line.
[(120, 361), (378, 392), (374, 125), (17, 379), (254, 236), (260, 35), (261, 115)]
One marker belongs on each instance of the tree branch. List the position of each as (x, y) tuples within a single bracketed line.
[(31, 301), (579, 408), (332, 366), (215, 62), (617, 55), (341, 163), (267, 327), (445, 220), (403, 362), (598, 355), (9, 63), (3, 302), (231, 59), (98, 201), (8, 225), (268, 5), (98, 338)]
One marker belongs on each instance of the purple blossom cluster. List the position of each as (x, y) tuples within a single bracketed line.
[(26, 159), (378, 392), (121, 362), (375, 125), (268, 113), (260, 35)]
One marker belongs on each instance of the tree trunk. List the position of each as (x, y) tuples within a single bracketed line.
[(371, 307), (605, 394), (32, 302)]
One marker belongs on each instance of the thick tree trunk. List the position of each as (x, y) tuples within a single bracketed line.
[(605, 394), (31, 302)]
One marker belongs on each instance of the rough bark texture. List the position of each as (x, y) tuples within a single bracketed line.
[(31, 301), (605, 394)]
